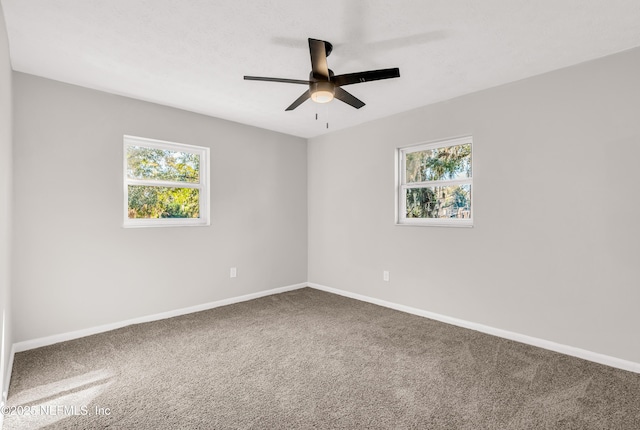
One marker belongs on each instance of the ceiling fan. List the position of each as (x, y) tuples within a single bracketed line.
[(324, 86)]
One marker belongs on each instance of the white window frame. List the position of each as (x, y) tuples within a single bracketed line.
[(401, 203), (203, 185)]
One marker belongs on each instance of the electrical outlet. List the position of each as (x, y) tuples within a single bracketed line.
[(233, 272), (385, 276)]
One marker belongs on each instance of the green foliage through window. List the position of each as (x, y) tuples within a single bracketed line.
[(163, 202), (162, 180), (450, 162), (162, 165), (437, 181), (439, 202)]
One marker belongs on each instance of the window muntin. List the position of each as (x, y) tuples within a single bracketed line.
[(435, 183), (165, 183)]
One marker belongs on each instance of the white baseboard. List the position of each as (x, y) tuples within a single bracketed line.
[(522, 338), (542, 343), (50, 340)]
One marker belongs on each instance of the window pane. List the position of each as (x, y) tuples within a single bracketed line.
[(162, 164), (439, 202), (450, 162), (163, 202)]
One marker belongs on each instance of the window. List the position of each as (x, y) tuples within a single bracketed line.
[(165, 183), (435, 184)]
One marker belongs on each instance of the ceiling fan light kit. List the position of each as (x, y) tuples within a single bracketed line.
[(324, 86), (322, 92)]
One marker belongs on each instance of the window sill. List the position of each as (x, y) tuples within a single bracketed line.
[(166, 222), (435, 224)]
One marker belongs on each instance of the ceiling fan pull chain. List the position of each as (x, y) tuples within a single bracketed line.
[(327, 115)]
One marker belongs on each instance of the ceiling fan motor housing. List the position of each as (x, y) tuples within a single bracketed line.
[(316, 77)]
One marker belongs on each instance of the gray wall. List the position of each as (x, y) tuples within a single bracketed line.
[(76, 267), (554, 252), (5, 200)]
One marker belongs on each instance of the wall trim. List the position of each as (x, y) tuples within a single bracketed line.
[(522, 338), (63, 337)]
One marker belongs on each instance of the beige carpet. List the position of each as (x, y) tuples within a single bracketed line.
[(308, 359)]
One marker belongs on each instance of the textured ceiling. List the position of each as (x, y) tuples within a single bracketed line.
[(192, 54)]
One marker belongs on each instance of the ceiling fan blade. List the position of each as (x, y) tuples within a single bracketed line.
[(299, 100), (348, 98), (318, 51), (286, 81), (371, 75)]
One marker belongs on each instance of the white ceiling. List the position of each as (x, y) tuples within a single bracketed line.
[(192, 54)]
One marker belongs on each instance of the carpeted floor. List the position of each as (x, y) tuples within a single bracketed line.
[(309, 359)]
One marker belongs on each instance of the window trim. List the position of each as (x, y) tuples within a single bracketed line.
[(401, 185), (203, 185)]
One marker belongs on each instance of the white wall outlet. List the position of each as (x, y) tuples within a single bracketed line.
[(385, 276), (233, 272)]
